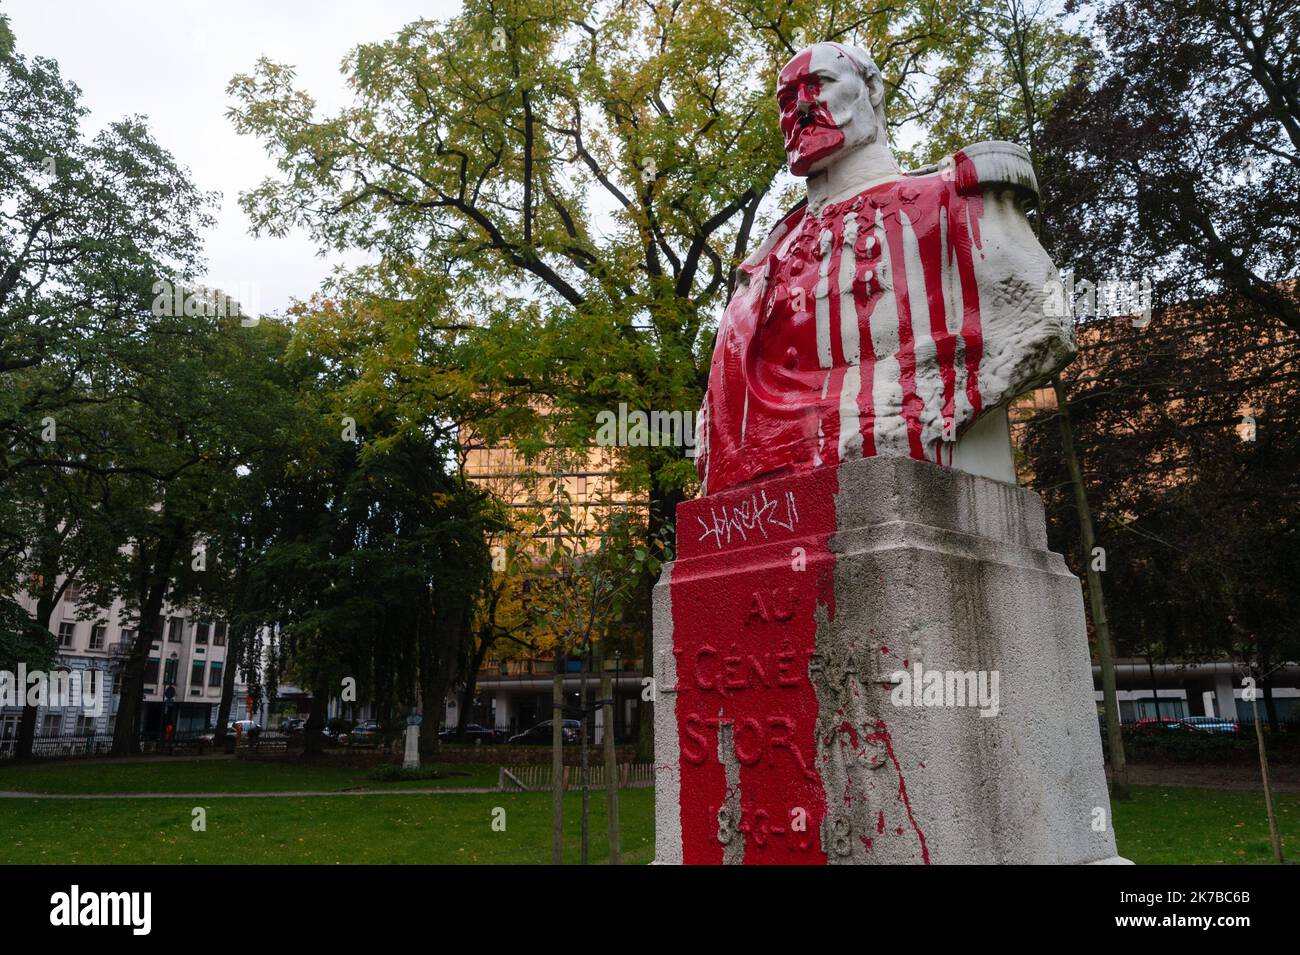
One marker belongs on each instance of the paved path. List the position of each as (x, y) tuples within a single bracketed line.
[(293, 794), (1284, 777), (307, 793)]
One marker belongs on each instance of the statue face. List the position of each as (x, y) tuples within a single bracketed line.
[(825, 106)]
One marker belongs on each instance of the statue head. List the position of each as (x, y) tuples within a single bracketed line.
[(831, 98)]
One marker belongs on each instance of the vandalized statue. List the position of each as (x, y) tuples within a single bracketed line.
[(862, 658), (889, 312)]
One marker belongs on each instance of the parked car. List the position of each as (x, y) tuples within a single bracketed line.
[(367, 731), (1160, 724), (541, 733), (243, 726), (293, 726), (1211, 724), (474, 733)]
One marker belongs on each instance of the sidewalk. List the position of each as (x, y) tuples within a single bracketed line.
[(293, 794), (1285, 778)]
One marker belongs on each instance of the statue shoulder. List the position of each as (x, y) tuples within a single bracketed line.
[(987, 165), (755, 261)]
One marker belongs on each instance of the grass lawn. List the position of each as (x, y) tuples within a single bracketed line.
[(220, 775), (1160, 825), (324, 829), (1175, 826)]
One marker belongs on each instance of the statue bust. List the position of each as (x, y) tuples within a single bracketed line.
[(891, 310)]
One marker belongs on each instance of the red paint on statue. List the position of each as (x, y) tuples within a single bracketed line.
[(881, 735), (797, 336), (744, 629), (810, 131)]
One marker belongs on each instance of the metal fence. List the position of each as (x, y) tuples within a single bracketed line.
[(72, 746), (1172, 724), (537, 777), (52, 747)]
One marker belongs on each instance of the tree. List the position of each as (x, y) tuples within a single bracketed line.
[(1195, 494), (88, 226), (1028, 61), (58, 517), (23, 642), (1180, 159), (588, 582), (376, 547), (574, 186), (198, 401), (505, 609)]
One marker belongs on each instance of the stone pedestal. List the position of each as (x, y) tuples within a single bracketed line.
[(876, 663), (411, 759)]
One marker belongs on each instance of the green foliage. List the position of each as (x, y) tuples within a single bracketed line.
[(21, 642), (1019, 57), (90, 225), (588, 568), (564, 191), (368, 547), (1178, 158), (1187, 746)]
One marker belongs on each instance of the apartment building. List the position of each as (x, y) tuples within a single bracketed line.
[(183, 675)]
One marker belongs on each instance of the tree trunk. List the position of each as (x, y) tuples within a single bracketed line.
[(26, 732), (234, 644), (1155, 690), (471, 684), (152, 579), (1096, 603), (320, 702), (1270, 705), (1273, 836), (582, 737), (611, 767), (23, 745), (557, 760), (126, 736), (429, 664)]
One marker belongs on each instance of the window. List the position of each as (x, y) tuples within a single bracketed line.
[(214, 673), (196, 678), (97, 633), (86, 725), (201, 632), (219, 634), (117, 680), (72, 593), (67, 630), (52, 725), (160, 631), (127, 636), (174, 630), (169, 672), (90, 681), (151, 672)]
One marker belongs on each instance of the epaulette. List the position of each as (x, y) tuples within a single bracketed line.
[(994, 162)]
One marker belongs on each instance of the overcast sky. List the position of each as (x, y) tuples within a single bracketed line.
[(170, 60)]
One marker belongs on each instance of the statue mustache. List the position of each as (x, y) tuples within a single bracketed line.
[(815, 119)]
